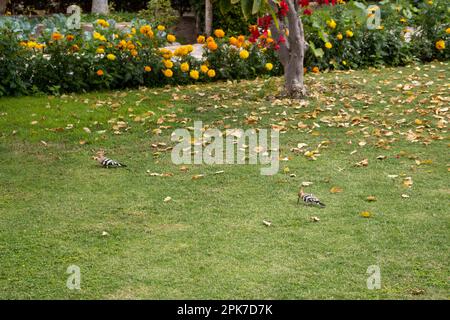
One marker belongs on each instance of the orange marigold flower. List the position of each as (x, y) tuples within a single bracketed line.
[(201, 39), (57, 36), (212, 45), (315, 69), (147, 68), (100, 72), (219, 33), (70, 37)]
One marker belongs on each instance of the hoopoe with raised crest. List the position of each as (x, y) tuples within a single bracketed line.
[(309, 198), (107, 162)]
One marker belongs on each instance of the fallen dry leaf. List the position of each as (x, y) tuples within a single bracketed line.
[(267, 223), (314, 219), (407, 182), (167, 199), (365, 214), (362, 163), (371, 198), (336, 190)]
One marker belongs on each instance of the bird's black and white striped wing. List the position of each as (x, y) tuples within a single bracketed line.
[(311, 199), (109, 163)]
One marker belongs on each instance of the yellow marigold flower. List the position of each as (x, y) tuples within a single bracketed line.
[(161, 28), (100, 51), (31, 44), (96, 35), (133, 30), (315, 69), (403, 20), (147, 68), (233, 41), (344, 62), (204, 68), (150, 34), (211, 73), (100, 72), (131, 46), (166, 53), (145, 29), (168, 73), (111, 57), (447, 31), (74, 47), (190, 48), (339, 36), (181, 51), (102, 38), (168, 64), (241, 38), (440, 44), (134, 53), (103, 23), (210, 39), (430, 2), (194, 74), (380, 27), (212, 45), (70, 37), (349, 33), (184, 67), (201, 39), (171, 38), (269, 66), (244, 54), (57, 36), (219, 33), (328, 45), (331, 23)]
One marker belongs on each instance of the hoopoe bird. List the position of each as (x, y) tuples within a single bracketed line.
[(107, 162), (309, 198)]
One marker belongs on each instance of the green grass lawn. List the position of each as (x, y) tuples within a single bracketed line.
[(209, 241)]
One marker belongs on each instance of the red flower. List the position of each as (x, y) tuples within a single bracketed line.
[(264, 22), (281, 39), (283, 8), (307, 12), (276, 47), (303, 3)]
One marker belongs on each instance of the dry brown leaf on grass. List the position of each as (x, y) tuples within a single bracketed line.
[(197, 176), (167, 199), (314, 219), (362, 163), (371, 198), (407, 182), (336, 190)]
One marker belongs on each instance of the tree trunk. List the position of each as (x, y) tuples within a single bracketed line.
[(100, 6), (3, 4), (208, 17), (292, 52)]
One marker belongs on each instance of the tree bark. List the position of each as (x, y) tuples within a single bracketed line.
[(208, 17), (292, 52), (100, 6), (3, 4)]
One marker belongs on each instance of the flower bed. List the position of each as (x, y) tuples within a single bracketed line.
[(60, 60)]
